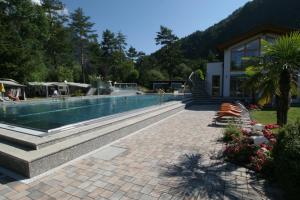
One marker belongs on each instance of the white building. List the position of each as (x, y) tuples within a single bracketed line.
[(224, 79)]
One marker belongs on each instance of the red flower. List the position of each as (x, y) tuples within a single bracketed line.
[(271, 126)]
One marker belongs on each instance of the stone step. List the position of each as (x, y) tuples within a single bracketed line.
[(33, 142), (30, 163)]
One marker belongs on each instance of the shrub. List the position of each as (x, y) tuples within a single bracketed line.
[(239, 151), (199, 74), (261, 160), (231, 132), (287, 158)]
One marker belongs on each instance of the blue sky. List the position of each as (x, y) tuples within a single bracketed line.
[(139, 20)]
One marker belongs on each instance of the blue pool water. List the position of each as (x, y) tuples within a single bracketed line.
[(54, 114)]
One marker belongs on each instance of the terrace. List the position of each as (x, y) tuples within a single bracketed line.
[(176, 158)]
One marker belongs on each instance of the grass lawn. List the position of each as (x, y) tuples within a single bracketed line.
[(269, 116)]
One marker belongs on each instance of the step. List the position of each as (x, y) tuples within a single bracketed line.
[(30, 163), (34, 142)]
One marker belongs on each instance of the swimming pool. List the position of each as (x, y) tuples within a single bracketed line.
[(46, 116)]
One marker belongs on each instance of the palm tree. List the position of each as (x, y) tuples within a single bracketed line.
[(273, 73)]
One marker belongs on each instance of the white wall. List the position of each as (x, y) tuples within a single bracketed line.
[(211, 70)]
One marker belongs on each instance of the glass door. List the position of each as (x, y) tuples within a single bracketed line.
[(216, 83)]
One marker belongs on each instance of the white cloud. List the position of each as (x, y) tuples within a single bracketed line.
[(65, 11), (38, 2)]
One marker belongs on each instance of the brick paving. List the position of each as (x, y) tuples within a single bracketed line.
[(178, 158)]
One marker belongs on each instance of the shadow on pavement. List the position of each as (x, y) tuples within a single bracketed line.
[(195, 179)]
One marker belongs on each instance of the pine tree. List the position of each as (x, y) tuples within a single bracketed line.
[(165, 36), (108, 43), (121, 42), (132, 54), (82, 28), (58, 45)]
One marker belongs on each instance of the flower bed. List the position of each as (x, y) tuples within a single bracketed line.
[(250, 148), (275, 156)]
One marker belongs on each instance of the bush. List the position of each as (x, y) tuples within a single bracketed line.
[(287, 158), (239, 151), (199, 74), (231, 132)]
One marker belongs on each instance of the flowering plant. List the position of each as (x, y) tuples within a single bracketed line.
[(271, 126), (261, 157), (253, 107), (246, 131), (268, 134), (239, 150)]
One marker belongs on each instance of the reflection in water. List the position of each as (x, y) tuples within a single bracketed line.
[(45, 116)]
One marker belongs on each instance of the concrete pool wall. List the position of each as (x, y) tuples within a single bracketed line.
[(30, 155)]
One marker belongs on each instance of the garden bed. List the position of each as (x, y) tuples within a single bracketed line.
[(271, 151)]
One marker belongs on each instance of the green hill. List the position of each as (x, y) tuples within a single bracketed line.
[(192, 52), (283, 13)]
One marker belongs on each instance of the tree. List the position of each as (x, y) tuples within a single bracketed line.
[(23, 32), (132, 54), (95, 59), (82, 28), (279, 62), (108, 43), (170, 55), (155, 75), (165, 36), (133, 76), (58, 45), (120, 41), (169, 58), (64, 73)]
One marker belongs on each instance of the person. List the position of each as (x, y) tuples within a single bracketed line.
[(55, 93), (12, 97)]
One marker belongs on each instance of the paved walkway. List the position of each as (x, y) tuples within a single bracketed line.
[(177, 158)]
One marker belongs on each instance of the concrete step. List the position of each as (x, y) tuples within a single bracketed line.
[(30, 163), (34, 142)]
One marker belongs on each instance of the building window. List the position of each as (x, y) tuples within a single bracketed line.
[(236, 87), (251, 49), (270, 39)]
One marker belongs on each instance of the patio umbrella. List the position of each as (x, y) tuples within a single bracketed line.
[(2, 89)]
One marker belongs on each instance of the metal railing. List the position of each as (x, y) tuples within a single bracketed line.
[(190, 78)]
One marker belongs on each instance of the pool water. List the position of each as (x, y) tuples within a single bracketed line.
[(54, 114)]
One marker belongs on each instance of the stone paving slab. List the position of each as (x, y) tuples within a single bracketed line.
[(109, 153), (177, 158)]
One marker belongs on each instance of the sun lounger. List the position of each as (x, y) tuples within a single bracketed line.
[(228, 113), (230, 107)]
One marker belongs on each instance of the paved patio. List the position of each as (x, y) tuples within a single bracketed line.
[(177, 158)]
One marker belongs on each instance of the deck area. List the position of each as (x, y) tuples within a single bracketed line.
[(176, 158)]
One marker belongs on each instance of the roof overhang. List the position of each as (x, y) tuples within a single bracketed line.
[(11, 82), (82, 85), (253, 32)]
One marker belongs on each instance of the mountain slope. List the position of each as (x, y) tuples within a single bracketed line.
[(283, 13)]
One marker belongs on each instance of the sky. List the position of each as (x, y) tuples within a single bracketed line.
[(139, 20)]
